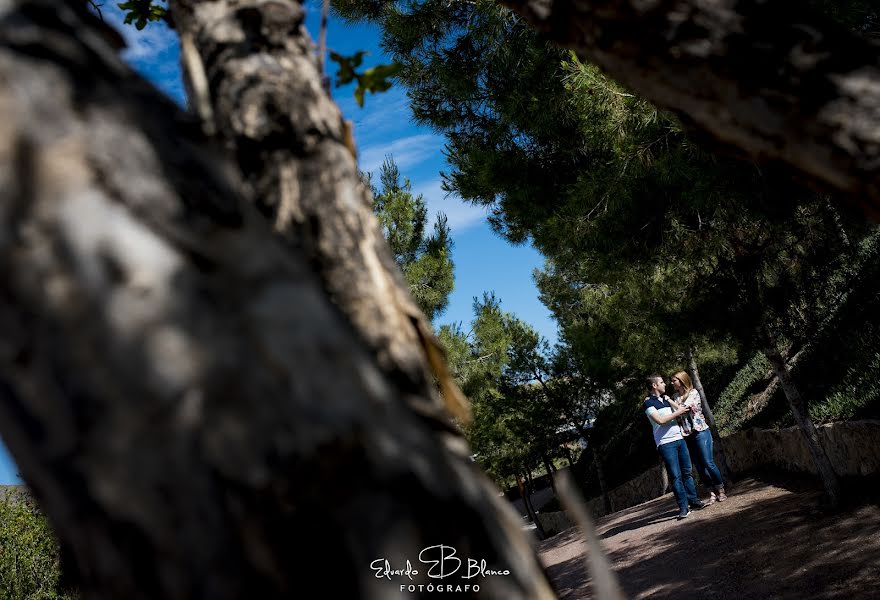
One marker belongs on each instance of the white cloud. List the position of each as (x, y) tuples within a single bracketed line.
[(149, 42), (385, 115), (152, 51), (407, 152), (460, 215), (390, 113)]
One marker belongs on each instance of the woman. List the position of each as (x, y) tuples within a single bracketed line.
[(696, 431)]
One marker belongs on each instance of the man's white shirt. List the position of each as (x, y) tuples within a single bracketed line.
[(660, 406)]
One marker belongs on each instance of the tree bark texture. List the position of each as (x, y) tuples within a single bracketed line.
[(805, 424), (600, 477), (548, 466), (710, 417), (525, 492), (188, 395), (769, 78), (291, 144)]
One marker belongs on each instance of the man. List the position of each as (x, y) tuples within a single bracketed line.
[(670, 445)]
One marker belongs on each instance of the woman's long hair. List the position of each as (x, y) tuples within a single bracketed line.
[(685, 380)]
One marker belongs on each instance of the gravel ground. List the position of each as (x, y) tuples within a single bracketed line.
[(766, 541)]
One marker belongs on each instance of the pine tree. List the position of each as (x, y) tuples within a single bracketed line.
[(425, 260)]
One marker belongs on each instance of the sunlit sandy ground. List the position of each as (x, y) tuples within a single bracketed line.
[(766, 541)]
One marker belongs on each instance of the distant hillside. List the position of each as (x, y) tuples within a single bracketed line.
[(12, 489)]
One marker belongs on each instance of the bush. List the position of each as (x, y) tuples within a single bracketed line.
[(731, 406), (856, 396), (29, 556)]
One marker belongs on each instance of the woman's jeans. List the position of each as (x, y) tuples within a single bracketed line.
[(701, 448), (678, 466)]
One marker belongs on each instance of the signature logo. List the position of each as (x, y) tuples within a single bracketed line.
[(443, 561), (439, 562)]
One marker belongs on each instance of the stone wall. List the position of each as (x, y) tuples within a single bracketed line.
[(554, 522), (644, 487), (647, 486), (853, 448)]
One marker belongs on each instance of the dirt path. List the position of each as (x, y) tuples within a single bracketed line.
[(764, 542)]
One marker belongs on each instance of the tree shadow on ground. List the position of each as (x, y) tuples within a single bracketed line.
[(569, 577), (766, 542), (633, 524)]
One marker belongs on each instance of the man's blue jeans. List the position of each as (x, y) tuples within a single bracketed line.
[(678, 466), (705, 462)]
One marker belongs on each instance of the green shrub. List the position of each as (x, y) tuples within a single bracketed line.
[(29, 557), (731, 407), (856, 396)]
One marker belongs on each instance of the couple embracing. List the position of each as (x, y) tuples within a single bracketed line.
[(675, 420)]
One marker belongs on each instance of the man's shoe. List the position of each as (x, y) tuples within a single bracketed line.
[(722, 496), (683, 514), (698, 504), (712, 499)]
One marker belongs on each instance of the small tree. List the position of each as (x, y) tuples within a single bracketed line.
[(29, 554), (425, 260)]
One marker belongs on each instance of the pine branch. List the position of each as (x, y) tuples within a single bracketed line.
[(739, 72)]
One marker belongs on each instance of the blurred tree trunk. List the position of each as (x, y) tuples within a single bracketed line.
[(525, 492), (568, 457), (530, 484), (262, 93), (192, 397), (600, 477), (548, 466)]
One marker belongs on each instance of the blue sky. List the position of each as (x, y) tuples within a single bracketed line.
[(483, 261)]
